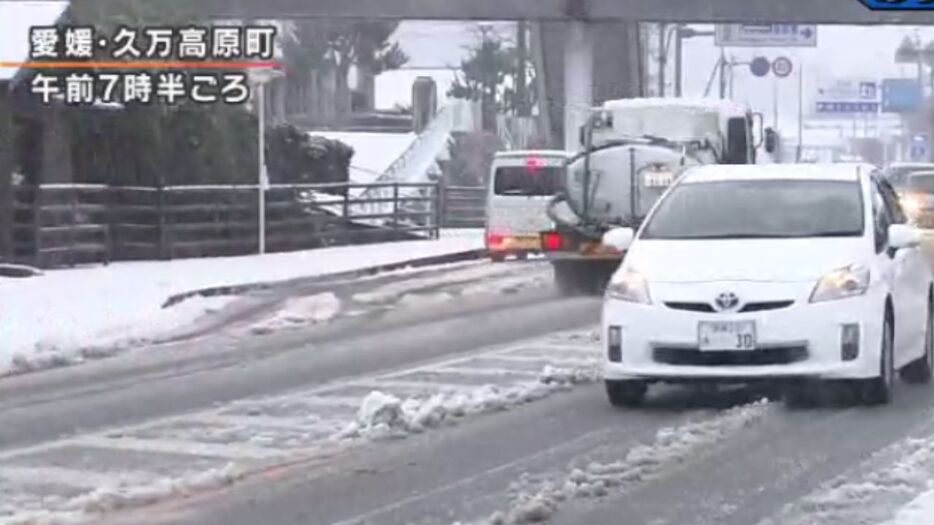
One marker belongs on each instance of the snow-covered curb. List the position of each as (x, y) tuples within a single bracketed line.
[(67, 316), (384, 416), (300, 311)]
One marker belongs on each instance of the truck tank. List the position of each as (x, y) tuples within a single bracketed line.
[(625, 180)]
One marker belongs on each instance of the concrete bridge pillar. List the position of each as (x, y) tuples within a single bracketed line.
[(584, 64), (578, 80)]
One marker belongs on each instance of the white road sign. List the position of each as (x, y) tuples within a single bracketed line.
[(853, 95), (781, 67), (766, 35)]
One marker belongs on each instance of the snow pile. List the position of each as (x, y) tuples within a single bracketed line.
[(919, 512), (54, 318), (384, 416), (300, 311), (870, 497), (671, 447), (109, 499), (87, 342)]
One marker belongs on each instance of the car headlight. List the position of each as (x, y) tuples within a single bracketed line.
[(841, 283), (912, 205), (629, 285)]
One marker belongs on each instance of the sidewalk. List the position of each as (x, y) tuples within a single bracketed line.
[(66, 315)]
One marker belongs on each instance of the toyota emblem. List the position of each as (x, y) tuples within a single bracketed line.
[(726, 301)]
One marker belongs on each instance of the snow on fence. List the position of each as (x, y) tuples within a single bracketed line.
[(64, 224)]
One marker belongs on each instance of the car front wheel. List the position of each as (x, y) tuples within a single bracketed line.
[(878, 390), (920, 370), (626, 393)]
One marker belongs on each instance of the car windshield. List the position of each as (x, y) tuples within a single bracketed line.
[(758, 209), (923, 183), (522, 181)]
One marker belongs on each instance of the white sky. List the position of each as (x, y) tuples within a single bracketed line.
[(842, 51), (16, 17)]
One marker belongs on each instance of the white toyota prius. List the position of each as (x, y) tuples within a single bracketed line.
[(795, 273)]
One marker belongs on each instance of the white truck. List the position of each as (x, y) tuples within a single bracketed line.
[(632, 150)]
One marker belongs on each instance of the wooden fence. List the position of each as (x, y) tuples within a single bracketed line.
[(67, 224)]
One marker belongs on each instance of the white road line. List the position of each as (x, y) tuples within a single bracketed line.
[(263, 422), (574, 349), (71, 477), (176, 446), (493, 372), (551, 360), (315, 397), (427, 386)]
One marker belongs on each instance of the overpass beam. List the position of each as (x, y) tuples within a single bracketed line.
[(578, 80)]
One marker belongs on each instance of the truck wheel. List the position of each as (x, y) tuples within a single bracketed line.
[(567, 279)]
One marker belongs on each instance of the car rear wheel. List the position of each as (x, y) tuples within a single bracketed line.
[(878, 390), (920, 370), (626, 393)]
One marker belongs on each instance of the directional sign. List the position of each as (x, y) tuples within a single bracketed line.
[(847, 107), (899, 5), (901, 95), (760, 66), (766, 35), (782, 67)]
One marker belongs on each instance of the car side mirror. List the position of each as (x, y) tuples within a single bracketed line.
[(619, 238), (904, 236)]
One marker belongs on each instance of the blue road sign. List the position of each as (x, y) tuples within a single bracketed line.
[(919, 147), (900, 95), (760, 66), (848, 107), (899, 5)]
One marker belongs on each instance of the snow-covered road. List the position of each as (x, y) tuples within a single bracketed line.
[(465, 394)]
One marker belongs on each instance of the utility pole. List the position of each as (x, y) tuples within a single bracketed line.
[(800, 109), (722, 66), (679, 50), (522, 53), (662, 58)]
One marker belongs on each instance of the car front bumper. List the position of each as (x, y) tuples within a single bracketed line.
[(800, 341)]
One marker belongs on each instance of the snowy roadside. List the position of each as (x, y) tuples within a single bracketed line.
[(65, 316), (874, 491)]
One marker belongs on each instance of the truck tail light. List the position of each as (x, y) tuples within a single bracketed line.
[(552, 241), (494, 239)]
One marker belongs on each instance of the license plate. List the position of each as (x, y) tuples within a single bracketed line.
[(726, 335), (524, 242), (658, 180)]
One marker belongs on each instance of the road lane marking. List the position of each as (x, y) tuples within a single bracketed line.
[(176, 446)]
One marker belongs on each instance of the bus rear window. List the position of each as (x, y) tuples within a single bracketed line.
[(519, 180)]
